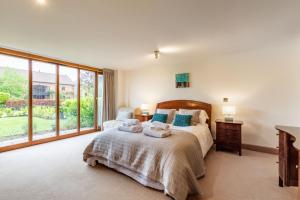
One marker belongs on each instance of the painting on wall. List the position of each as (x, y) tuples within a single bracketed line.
[(182, 80)]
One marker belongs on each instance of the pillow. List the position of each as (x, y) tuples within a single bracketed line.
[(203, 117), (182, 120), (169, 112), (122, 115), (157, 117), (195, 115)]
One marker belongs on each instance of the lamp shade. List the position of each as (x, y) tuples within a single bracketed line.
[(144, 107), (228, 110)]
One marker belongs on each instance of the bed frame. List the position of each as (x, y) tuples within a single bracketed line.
[(187, 104)]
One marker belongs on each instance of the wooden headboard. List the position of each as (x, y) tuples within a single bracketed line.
[(187, 104)]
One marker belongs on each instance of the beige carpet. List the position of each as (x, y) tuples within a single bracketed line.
[(55, 171)]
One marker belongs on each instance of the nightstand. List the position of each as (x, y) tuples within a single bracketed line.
[(229, 135), (143, 118)]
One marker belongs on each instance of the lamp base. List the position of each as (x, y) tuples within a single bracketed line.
[(229, 119), (145, 113)]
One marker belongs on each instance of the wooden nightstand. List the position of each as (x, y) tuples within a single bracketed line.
[(229, 135), (143, 118)]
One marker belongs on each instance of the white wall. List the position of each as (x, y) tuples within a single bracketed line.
[(263, 84)]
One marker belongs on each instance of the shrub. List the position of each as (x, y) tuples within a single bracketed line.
[(44, 112), (69, 110), (11, 112), (87, 112), (4, 97)]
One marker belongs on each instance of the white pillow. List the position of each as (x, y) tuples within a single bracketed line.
[(122, 115), (169, 112), (195, 115), (203, 117)]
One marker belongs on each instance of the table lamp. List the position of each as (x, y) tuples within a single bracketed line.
[(229, 112), (145, 109)]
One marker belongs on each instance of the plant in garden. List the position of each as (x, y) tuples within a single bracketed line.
[(69, 110), (4, 96), (45, 112), (87, 112), (13, 83)]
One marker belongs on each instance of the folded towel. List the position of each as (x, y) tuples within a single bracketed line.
[(160, 125), (131, 122), (156, 132), (131, 129)]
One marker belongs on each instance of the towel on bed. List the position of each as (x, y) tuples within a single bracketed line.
[(132, 129), (160, 125), (156, 132), (131, 122)]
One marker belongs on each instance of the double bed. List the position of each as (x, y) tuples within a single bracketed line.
[(171, 164)]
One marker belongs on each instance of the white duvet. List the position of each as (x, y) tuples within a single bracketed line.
[(201, 131)]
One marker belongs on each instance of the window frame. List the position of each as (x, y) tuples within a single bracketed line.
[(33, 57)]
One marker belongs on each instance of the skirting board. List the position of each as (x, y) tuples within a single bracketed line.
[(260, 148)]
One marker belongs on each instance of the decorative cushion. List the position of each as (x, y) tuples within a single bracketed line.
[(182, 120), (195, 115), (159, 117), (169, 112)]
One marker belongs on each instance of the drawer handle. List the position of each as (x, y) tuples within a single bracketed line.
[(277, 134), (277, 162), (277, 147), (297, 166)]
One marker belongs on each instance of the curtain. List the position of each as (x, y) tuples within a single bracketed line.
[(108, 95)]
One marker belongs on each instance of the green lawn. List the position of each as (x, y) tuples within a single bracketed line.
[(13, 127)]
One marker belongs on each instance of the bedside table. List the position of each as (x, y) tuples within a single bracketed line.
[(143, 118), (229, 135)]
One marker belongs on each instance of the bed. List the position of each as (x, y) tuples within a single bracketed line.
[(171, 164)]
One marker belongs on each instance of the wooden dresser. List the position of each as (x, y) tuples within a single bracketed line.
[(229, 135), (289, 155)]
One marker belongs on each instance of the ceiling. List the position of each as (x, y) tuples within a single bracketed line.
[(124, 33)]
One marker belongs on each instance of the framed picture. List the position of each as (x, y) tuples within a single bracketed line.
[(182, 80)]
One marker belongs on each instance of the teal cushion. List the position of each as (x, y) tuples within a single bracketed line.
[(160, 117), (182, 120)]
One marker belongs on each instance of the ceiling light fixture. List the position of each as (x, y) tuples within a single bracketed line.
[(156, 53), (41, 2), (170, 49)]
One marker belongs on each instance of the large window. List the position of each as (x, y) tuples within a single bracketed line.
[(39, 99), (87, 99), (13, 100), (68, 83), (43, 100)]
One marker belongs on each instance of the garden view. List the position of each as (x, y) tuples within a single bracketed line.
[(14, 95)]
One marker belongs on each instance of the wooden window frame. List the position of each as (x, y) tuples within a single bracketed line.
[(33, 57)]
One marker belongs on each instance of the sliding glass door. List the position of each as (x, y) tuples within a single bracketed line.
[(68, 89), (43, 100), (13, 100), (87, 99)]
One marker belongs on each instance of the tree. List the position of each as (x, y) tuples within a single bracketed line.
[(13, 83), (87, 83)]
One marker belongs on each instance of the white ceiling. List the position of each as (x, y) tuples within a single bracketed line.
[(124, 33)]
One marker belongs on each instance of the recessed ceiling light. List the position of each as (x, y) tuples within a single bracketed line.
[(41, 2)]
